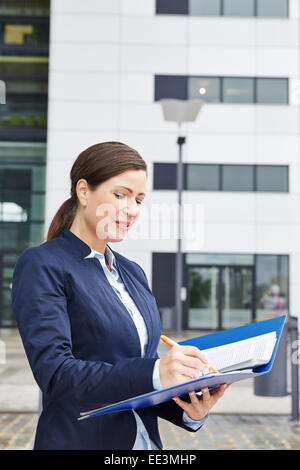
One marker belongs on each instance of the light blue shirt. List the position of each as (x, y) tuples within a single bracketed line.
[(142, 441)]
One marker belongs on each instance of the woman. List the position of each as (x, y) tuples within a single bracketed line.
[(89, 322)]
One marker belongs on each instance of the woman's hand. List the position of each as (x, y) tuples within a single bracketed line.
[(199, 407), (181, 364)]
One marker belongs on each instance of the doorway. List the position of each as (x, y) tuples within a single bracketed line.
[(219, 297), (7, 264)]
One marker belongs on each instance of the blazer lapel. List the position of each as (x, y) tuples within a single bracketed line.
[(140, 301)]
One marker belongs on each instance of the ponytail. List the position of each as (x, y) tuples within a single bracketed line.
[(63, 218)]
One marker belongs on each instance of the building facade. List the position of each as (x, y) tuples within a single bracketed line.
[(24, 56), (111, 63)]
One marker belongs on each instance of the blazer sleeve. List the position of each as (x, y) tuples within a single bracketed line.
[(39, 302)]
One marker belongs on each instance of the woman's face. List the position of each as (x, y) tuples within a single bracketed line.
[(111, 209)]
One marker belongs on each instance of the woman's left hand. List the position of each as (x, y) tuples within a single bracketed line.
[(198, 408)]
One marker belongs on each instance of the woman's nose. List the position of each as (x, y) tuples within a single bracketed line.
[(131, 210)]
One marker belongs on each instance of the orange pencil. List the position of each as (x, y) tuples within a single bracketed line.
[(170, 342)]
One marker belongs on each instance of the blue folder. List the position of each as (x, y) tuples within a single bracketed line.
[(212, 380)]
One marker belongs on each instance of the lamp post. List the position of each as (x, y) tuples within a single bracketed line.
[(180, 111)]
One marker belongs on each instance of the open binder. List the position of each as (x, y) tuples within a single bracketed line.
[(212, 380)]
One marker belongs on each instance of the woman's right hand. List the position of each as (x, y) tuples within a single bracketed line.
[(181, 364)]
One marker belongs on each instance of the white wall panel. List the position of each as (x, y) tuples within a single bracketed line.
[(277, 238), (156, 59), (82, 86), (220, 148), (160, 29), (84, 115), (277, 149), (277, 208), (78, 57), (225, 118), (277, 119), (136, 7), (58, 175), (221, 61), (85, 28), (91, 6), (277, 33), (221, 31), (136, 87), (66, 144), (277, 62), (227, 238)]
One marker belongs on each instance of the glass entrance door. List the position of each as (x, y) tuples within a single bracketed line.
[(219, 297), (7, 263), (204, 284), (237, 296)]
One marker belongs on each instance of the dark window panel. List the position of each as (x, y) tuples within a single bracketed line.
[(173, 7), (163, 278), (202, 177), (272, 178), (170, 86), (165, 176), (272, 90), (237, 178)]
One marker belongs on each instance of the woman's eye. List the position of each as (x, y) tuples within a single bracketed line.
[(119, 196)]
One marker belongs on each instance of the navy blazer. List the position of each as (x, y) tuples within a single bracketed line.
[(83, 347)]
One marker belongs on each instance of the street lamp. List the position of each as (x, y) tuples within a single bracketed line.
[(180, 111)]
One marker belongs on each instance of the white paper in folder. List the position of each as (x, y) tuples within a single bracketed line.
[(248, 353)]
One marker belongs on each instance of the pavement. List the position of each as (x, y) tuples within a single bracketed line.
[(240, 420)]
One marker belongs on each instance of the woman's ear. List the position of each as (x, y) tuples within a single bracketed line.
[(82, 190)]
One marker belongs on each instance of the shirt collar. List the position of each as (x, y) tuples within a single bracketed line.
[(108, 254), (80, 249)]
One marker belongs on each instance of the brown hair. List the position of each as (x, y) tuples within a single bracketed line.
[(96, 164)]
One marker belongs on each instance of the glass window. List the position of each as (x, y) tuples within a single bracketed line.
[(202, 177), (238, 90), (220, 259), (272, 90), (272, 178), (170, 86), (272, 8), (178, 7), (165, 176), (24, 32), (272, 278), (238, 8), (204, 88), (26, 98), (205, 7), (27, 7), (237, 178)]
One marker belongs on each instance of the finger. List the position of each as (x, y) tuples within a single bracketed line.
[(194, 399), (194, 352), (189, 372), (194, 362), (205, 395), (181, 403), (219, 393)]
